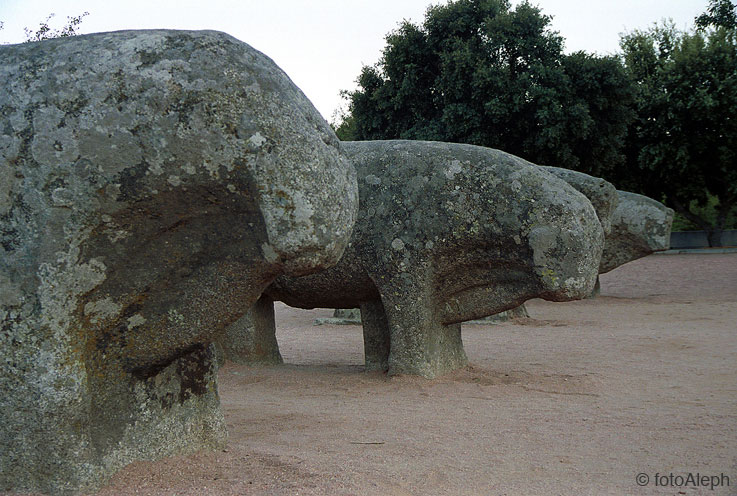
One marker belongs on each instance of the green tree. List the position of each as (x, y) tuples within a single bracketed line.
[(480, 72), (598, 98), (683, 145), (720, 13)]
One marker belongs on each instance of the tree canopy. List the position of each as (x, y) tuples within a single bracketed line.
[(480, 72), (659, 119), (719, 14), (683, 145)]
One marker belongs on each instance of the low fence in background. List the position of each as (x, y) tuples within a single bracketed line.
[(697, 239)]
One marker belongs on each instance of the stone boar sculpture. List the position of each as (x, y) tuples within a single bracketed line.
[(448, 233), (640, 227), (152, 184), (601, 193)]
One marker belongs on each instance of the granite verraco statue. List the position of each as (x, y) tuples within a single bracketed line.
[(448, 233), (152, 184)]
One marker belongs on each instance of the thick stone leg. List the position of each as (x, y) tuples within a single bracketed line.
[(252, 339), (110, 418), (438, 351), (375, 336), (420, 345), (169, 409)]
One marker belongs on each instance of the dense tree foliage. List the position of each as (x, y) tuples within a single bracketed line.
[(661, 119), (480, 72), (719, 14), (683, 145)]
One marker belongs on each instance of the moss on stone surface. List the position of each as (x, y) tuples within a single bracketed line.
[(152, 184)]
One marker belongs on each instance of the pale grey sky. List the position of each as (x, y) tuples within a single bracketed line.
[(322, 44)]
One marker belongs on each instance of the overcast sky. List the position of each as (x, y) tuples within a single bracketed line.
[(322, 44)]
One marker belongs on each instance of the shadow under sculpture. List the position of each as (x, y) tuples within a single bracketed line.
[(448, 233), (152, 183)]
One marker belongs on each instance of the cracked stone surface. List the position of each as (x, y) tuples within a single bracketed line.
[(152, 184), (448, 233)]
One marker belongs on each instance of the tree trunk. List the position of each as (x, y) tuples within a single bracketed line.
[(714, 236), (713, 232)]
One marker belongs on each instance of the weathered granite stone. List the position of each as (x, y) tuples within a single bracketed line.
[(603, 197), (348, 313), (152, 184), (601, 193), (352, 316), (448, 233), (341, 316), (251, 340), (640, 226)]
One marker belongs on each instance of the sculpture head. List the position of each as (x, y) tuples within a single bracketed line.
[(640, 226)]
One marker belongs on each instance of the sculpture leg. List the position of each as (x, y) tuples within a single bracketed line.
[(375, 336), (420, 344), (112, 418), (251, 340)]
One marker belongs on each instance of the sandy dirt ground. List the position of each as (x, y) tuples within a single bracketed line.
[(577, 400)]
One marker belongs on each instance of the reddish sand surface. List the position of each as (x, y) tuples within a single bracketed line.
[(577, 400)]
